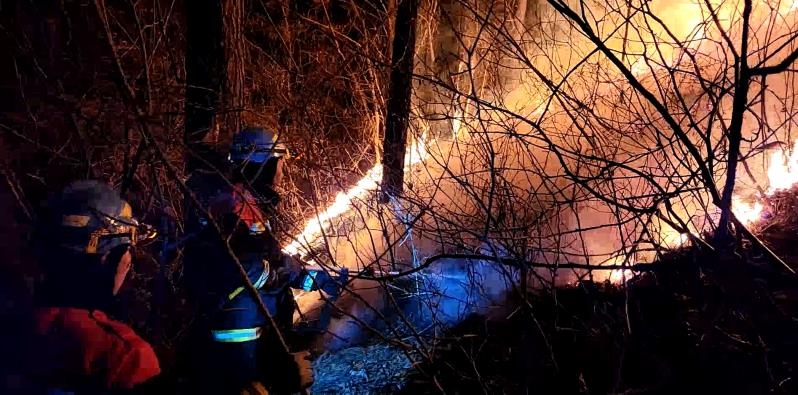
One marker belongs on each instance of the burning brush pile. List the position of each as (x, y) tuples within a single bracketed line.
[(695, 323)]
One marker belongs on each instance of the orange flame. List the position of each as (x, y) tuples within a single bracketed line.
[(782, 172), (782, 175), (312, 231)]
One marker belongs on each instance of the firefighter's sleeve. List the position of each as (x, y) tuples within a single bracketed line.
[(131, 361)]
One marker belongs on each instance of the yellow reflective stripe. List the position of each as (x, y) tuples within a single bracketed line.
[(235, 293), (94, 242), (236, 335), (261, 281)]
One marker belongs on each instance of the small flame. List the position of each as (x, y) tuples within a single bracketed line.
[(747, 213), (782, 175), (619, 276), (783, 171)]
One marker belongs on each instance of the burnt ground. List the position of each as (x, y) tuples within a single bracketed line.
[(678, 332)]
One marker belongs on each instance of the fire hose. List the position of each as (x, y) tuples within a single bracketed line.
[(371, 273)]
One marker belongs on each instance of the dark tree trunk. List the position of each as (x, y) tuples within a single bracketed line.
[(204, 72), (399, 98), (290, 114), (232, 97)]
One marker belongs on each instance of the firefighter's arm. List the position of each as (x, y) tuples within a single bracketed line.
[(312, 278), (137, 366), (129, 361)]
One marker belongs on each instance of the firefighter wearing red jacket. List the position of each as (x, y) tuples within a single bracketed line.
[(75, 347)]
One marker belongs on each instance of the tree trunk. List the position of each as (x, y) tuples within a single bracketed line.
[(291, 112), (399, 98), (232, 97), (734, 133), (204, 72)]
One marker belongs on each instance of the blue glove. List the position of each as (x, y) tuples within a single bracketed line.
[(319, 279)]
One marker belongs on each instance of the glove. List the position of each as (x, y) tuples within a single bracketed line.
[(320, 279), (290, 268), (293, 374)]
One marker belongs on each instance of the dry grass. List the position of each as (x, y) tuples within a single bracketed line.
[(373, 369)]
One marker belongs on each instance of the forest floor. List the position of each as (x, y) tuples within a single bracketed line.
[(696, 323)]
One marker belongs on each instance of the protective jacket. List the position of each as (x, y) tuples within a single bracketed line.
[(205, 184), (235, 337), (84, 351), (69, 344)]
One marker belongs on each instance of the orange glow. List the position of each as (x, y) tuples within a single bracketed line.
[(783, 170), (747, 213), (619, 276), (686, 21)]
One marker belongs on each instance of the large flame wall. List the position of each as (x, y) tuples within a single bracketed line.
[(590, 108), (536, 146)]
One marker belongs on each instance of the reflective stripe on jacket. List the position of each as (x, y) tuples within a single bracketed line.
[(239, 314)]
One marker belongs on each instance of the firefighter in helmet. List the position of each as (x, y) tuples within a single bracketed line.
[(243, 347), (257, 158), (86, 237)]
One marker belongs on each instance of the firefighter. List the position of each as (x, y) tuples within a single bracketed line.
[(241, 345), (86, 237), (257, 158)]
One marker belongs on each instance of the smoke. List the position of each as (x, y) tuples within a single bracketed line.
[(453, 289), (440, 297), (361, 309)]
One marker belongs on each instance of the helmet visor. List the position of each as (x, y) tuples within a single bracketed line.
[(242, 153), (119, 230)]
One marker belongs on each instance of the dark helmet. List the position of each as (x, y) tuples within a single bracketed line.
[(255, 145), (90, 217)]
